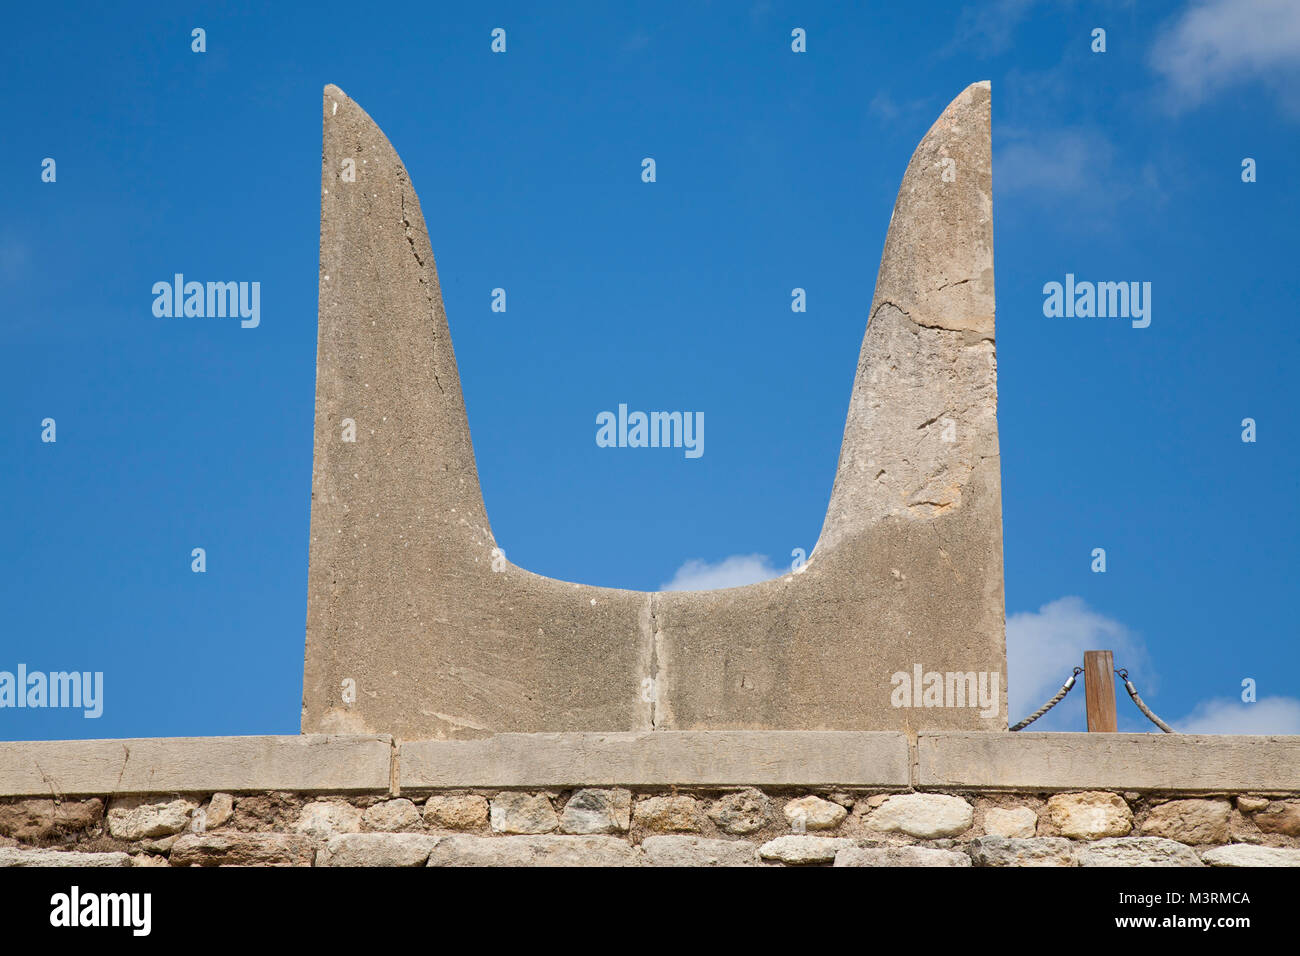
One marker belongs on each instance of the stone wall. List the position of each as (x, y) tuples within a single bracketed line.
[(866, 800)]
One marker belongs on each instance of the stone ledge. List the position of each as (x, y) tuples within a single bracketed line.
[(660, 758), (1185, 763), (985, 760), (310, 763)]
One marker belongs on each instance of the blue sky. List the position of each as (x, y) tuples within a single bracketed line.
[(775, 170)]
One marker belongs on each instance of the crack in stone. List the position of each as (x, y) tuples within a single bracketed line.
[(936, 325), (654, 661), (424, 281), (126, 758), (54, 791), (410, 241)]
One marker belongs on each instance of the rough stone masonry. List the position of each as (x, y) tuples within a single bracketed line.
[(703, 798), (417, 625)]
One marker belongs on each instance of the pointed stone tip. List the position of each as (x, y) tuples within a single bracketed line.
[(972, 103), (981, 86), (331, 99), (976, 93)]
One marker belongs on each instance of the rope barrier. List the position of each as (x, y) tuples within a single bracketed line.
[(1122, 672), (1060, 695), (1132, 692)]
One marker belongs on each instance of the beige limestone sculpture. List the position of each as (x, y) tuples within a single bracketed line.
[(418, 627)]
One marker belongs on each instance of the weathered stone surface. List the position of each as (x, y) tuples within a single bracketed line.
[(814, 813), (217, 811), (12, 856), (134, 818), (462, 812), (925, 815), (392, 815), (900, 856), (697, 851), (597, 811), (243, 849), (73, 815), (725, 758), (461, 850), (799, 759), (163, 845), (1281, 817), (377, 849), (1136, 851), (523, 813), (1189, 763), (908, 566), (801, 848), (1018, 822), (742, 812), (305, 763), (1189, 821), (438, 616), (31, 820), (1242, 829), (266, 811), (1089, 815), (1243, 854), (325, 818), (1004, 851), (676, 814)]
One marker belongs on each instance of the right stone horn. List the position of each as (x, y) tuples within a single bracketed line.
[(898, 619)]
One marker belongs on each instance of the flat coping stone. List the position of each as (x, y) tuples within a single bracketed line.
[(1071, 761), (660, 758), (951, 760), (306, 763)]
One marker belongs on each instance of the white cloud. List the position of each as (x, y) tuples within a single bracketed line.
[(1218, 44), (1069, 161), (732, 572), (1224, 715), (883, 106), (1061, 170), (1044, 646), (988, 28), (888, 112)]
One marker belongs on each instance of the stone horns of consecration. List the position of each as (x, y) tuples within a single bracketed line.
[(418, 625)]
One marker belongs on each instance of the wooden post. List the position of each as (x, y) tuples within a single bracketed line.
[(1099, 689)]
